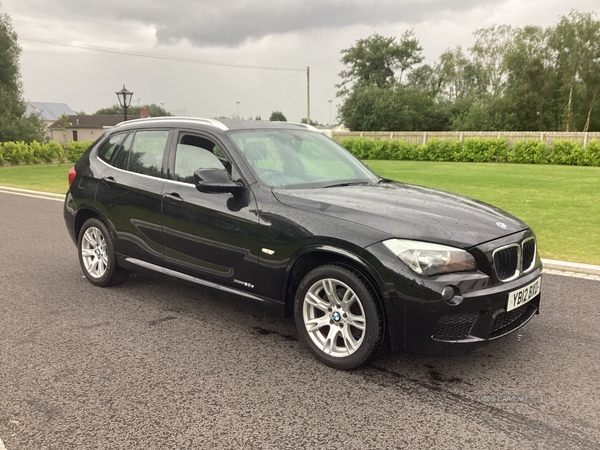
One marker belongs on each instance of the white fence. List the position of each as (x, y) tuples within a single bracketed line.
[(421, 137)]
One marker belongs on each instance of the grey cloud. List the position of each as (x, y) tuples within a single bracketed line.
[(231, 23)]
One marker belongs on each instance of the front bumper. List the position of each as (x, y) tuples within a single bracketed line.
[(420, 321)]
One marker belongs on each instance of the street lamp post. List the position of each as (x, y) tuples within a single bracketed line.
[(124, 97), (238, 109), (329, 111)]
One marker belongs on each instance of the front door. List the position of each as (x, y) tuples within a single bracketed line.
[(213, 236)]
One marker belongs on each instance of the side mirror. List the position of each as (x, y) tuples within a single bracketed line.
[(215, 180)]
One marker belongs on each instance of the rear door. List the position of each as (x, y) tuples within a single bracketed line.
[(213, 236), (130, 189)]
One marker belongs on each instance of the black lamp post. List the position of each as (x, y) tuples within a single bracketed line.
[(124, 97)]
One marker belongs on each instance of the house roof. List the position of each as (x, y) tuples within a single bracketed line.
[(48, 111), (92, 121)]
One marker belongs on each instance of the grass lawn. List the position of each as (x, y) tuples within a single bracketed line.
[(46, 177), (561, 203)]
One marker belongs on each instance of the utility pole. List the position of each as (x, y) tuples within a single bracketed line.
[(308, 95)]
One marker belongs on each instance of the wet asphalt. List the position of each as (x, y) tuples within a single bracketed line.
[(155, 364)]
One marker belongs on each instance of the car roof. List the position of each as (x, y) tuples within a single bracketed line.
[(220, 124)]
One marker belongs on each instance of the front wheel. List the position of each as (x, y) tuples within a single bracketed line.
[(338, 317), (97, 255)]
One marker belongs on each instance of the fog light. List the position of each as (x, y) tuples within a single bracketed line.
[(450, 297)]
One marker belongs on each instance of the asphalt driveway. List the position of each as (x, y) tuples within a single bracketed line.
[(160, 364)]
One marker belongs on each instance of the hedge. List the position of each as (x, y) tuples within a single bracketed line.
[(478, 150), (36, 153)]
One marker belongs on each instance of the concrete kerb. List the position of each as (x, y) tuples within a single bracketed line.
[(550, 265), (33, 193)]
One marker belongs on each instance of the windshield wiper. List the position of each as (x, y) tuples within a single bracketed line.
[(348, 183)]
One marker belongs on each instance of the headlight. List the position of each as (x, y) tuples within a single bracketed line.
[(426, 258)]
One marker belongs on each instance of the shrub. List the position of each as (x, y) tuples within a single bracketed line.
[(529, 152), (591, 155), (15, 152), (76, 149), (37, 151), (51, 151), (1, 154), (566, 152)]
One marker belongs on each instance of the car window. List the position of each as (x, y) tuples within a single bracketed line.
[(109, 147), (190, 158), (286, 158), (147, 151), (121, 155)]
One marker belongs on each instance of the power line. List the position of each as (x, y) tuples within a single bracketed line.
[(237, 93), (96, 48)]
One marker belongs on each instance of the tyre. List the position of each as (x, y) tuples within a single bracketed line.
[(97, 255), (338, 317)]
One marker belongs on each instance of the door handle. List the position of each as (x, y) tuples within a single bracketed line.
[(173, 197), (108, 181)]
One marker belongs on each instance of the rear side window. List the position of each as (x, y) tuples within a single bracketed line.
[(110, 147), (147, 150)]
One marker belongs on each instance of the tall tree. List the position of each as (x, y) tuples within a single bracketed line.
[(277, 116), (374, 61), (576, 43), (14, 124)]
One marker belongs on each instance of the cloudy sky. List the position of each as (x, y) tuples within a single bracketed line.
[(215, 58)]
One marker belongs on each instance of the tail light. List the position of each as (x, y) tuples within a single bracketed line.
[(72, 175)]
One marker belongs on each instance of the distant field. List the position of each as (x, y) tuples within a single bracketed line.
[(561, 203)]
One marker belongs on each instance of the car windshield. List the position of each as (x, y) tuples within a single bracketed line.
[(300, 159)]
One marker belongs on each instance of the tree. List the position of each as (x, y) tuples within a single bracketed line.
[(14, 124), (376, 59), (314, 123), (576, 43), (399, 108), (277, 116), (153, 109)]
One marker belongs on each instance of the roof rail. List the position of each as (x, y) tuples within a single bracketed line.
[(213, 122)]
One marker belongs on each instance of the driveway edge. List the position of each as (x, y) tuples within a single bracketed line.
[(34, 193)]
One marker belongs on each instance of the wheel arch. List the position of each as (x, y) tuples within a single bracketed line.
[(85, 213), (314, 256)]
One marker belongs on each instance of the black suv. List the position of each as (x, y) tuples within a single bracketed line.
[(278, 212)]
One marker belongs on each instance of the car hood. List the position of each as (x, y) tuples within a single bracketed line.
[(408, 212)]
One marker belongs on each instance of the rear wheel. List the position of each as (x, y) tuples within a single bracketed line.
[(338, 317), (97, 255)]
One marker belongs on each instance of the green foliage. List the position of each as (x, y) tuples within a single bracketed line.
[(442, 150), (511, 79), (592, 154), (399, 108), (51, 151), (277, 116), (477, 150), (566, 152), (529, 152), (153, 109), (14, 124), (34, 153), (75, 149), (375, 60)]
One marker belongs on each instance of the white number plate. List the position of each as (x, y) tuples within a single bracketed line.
[(523, 295)]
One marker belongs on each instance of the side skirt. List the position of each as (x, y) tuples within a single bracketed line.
[(134, 265)]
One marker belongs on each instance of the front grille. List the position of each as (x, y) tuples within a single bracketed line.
[(454, 327), (506, 318), (506, 261), (528, 254), (512, 260)]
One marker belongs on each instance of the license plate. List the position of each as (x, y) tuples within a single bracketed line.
[(523, 295)]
